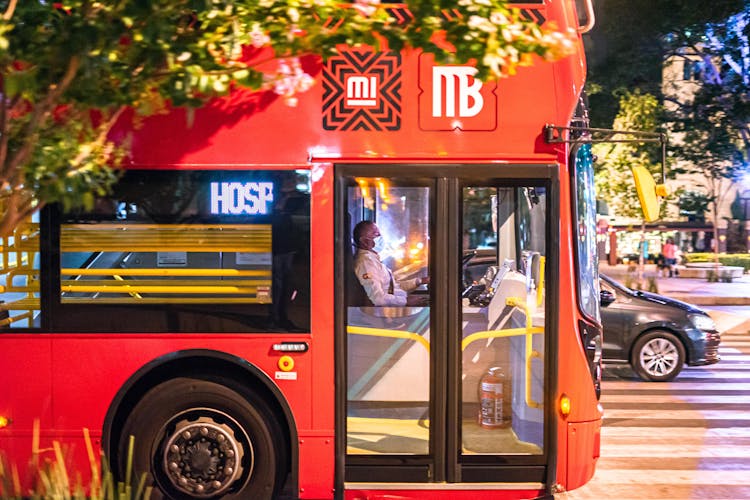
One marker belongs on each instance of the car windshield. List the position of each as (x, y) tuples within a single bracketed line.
[(616, 284)]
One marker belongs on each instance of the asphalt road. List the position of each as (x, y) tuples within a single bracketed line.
[(689, 438)]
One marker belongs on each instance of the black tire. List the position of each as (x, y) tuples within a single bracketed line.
[(199, 438), (658, 356)]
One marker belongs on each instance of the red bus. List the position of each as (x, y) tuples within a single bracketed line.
[(214, 306)]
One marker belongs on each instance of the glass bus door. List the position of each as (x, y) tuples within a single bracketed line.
[(442, 324)]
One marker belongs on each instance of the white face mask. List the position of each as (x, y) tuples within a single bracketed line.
[(379, 244)]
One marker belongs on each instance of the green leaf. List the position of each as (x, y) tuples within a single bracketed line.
[(13, 84)]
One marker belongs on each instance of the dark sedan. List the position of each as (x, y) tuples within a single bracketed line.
[(654, 334)]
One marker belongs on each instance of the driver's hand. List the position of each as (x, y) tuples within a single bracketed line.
[(425, 280)]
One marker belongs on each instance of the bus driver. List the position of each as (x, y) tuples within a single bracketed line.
[(376, 279)]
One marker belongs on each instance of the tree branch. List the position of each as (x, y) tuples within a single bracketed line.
[(20, 208), (38, 116), (3, 135), (7, 107), (10, 10), (98, 142)]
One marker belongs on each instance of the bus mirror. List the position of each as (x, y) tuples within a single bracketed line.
[(648, 192)]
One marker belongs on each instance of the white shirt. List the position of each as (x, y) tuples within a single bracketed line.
[(378, 282)]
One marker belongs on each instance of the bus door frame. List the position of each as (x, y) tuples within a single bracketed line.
[(444, 464)]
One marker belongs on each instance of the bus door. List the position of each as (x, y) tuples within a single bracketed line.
[(444, 324)]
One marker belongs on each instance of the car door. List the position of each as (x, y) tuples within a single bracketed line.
[(614, 324)]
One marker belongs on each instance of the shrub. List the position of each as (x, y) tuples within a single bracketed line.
[(727, 259), (737, 259), (52, 479)]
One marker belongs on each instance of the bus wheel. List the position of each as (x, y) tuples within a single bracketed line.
[(658, 356), (201, 439)]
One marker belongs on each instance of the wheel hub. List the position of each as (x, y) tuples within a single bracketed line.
[(203, 458), (659, 357)]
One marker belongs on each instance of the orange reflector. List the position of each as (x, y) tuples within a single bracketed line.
[(4, 422), (564, 405)]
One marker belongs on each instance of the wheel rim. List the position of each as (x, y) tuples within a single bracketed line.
[(205, 452), (659, 357)]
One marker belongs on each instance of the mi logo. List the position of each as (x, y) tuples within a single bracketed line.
[(361, 90), (451, 86), (452, 98)]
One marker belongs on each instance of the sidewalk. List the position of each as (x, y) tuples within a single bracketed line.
[(693, 290)]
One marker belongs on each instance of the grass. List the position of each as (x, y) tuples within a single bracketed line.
[(52, 480)]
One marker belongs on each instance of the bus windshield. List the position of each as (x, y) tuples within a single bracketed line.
[(585, 217)]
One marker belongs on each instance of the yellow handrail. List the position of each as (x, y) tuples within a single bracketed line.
[(12, 319), (19, 250), (166, 272), (513, 332), (531, 353), (166, 300), (32, 303), (250, 238), (176, 227), (18, 255), (189, 286), (383, 332), (24, 303), (132, 294), (528, 331), (119, 280), (82, 287), (492, 334), (540, 287)]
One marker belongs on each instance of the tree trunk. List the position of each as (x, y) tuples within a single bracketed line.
[(716, 236)]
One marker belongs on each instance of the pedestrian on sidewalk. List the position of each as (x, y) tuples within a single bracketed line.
[(678, 257), (669, 251), (661, 265)]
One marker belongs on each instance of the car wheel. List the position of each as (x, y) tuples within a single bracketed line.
[(196, 438), (658, 356)]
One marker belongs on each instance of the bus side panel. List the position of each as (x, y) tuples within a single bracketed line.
[(87, 370), (447, 494), (25, 383), (316, 464), (24, 397), (583, 452), (321, 291), (100, 368), (524, 103)]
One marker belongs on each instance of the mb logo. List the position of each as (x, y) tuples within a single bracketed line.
[(452, 89), (451, 98)]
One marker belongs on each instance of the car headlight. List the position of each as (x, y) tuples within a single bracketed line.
[(702, 322)]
